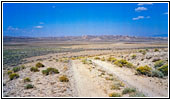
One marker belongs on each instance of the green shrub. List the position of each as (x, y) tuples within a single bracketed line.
[(45, 72), (16, 69), (164, 69), (133, 56), (142, 51), (145, 70), (115, 87), (158, 63), (111, 59), (9, 72), (50, 71), (22, 67), (27, 79), (63, 78), (137, 94), (103, 59), (39, 65), (114, 95), (34, 69), (97, 58), (13, 76), (122, 63), (156, 50), (128, 90), (86, 61), (156, 73), (29, 86)]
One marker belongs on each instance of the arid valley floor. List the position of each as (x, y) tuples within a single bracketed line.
[(85, 69)]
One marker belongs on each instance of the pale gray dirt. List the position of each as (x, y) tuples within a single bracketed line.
[(153, 87), (86, 86)]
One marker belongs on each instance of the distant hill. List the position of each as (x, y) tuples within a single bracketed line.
[(88, 38)]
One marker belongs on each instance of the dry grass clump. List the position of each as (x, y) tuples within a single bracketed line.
[(128, 90), (13, 76), (143, 52), (97, 58), (50, 71), (123, 63), (63, 78), (111, 59), (29, 86), (9, 72), (86, 61), (34, 69), (133, 56), (137, 94), (117, 85), (39, 65), (103, 59), (26, 79), (145, 70), (115, 94)]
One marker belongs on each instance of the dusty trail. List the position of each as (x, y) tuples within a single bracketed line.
[(85, 84), (147, 85)]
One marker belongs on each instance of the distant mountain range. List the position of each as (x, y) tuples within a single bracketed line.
[(88, 38)]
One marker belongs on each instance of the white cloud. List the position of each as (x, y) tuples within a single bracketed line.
[(10, 28), (140, 9), (53, 6), (137, 18), (140, 17), (140, 4), (38, 26), (165, 13)]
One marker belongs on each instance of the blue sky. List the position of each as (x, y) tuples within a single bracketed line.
[(76, 19)]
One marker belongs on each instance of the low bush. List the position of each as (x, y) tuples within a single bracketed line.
[(34, 69), (13, 76), (27, 79), (39, 65), (29, 86), (158, 63), (63, 78), (86, 61), (133, 56), (111, 59), (145, 70), (114, 95), (103, 59), (142, 51), (164, 69), (122, 63), (137, 94), (16, 69), (9, 72), (128, 90), (97, 58), (156, 50), (115, 87), (156, 73), (50, 71)]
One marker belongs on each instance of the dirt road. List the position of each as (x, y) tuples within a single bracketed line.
[(147, 85), (85, 84)]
